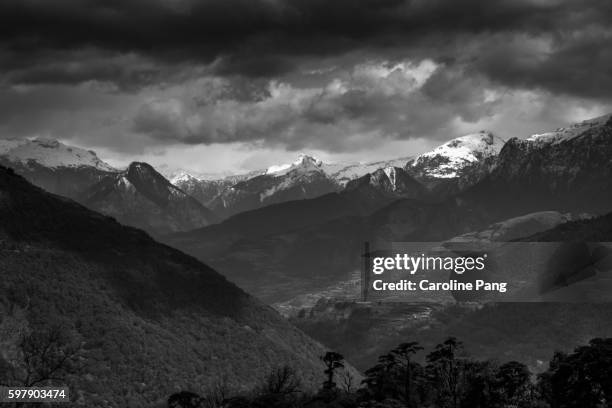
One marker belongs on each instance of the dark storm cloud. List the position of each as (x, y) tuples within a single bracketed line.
[(333, 75), (43, 41)]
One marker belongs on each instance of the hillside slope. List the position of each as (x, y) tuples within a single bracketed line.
[(150, 319)]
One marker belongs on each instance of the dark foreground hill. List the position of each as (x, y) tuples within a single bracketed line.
[(148, 320)]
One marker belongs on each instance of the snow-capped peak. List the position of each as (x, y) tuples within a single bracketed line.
[(345, 172), (50, 153), (183, 177), (570, 132), (304, 162), (445, 161)]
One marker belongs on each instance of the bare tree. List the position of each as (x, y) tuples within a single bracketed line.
[(43, 356), (217, 395), (282, 380), (347, 379), (332, 361)]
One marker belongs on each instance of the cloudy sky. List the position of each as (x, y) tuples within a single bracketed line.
[(232, 85)]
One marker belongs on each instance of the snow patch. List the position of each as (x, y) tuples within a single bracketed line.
[(183, 178), (570, 132), (451, 157), (304, 163), (50, 153), (392, 176), (343, 173)]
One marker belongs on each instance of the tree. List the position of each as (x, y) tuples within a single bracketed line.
[(216, 395), (378, 379), (185, 399), (580, 379), (347, 380), (282, 381), (479, 384), (513, 379), (445, 369), (402, 355), (332, 361), (44, 356)]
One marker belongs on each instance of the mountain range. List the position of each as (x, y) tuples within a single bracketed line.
[(323, 212), (292, 235), (307, 177), (288, 249), (142, 197), (449, 168)]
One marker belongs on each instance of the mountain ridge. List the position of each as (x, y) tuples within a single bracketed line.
[(142, 197), (506, 190)]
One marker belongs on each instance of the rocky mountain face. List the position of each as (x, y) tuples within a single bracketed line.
[(148, 320), (457, 164), (344, 173), (54, 166), (566, 170), (394, 181), (305, 178), (301, 180), (141, 197), (205, 190)]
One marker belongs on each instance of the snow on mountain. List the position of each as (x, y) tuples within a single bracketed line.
[(306, 177), (289, 180), (340, 172), (392, 176), (449, 159), (205, 189), (50, 153), (303, 179), (183, 177), (7, 145), (569, 170), (304, 163), (570, 132), (343, 173)]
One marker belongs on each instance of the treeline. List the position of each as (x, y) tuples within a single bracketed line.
[(446, 377)]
